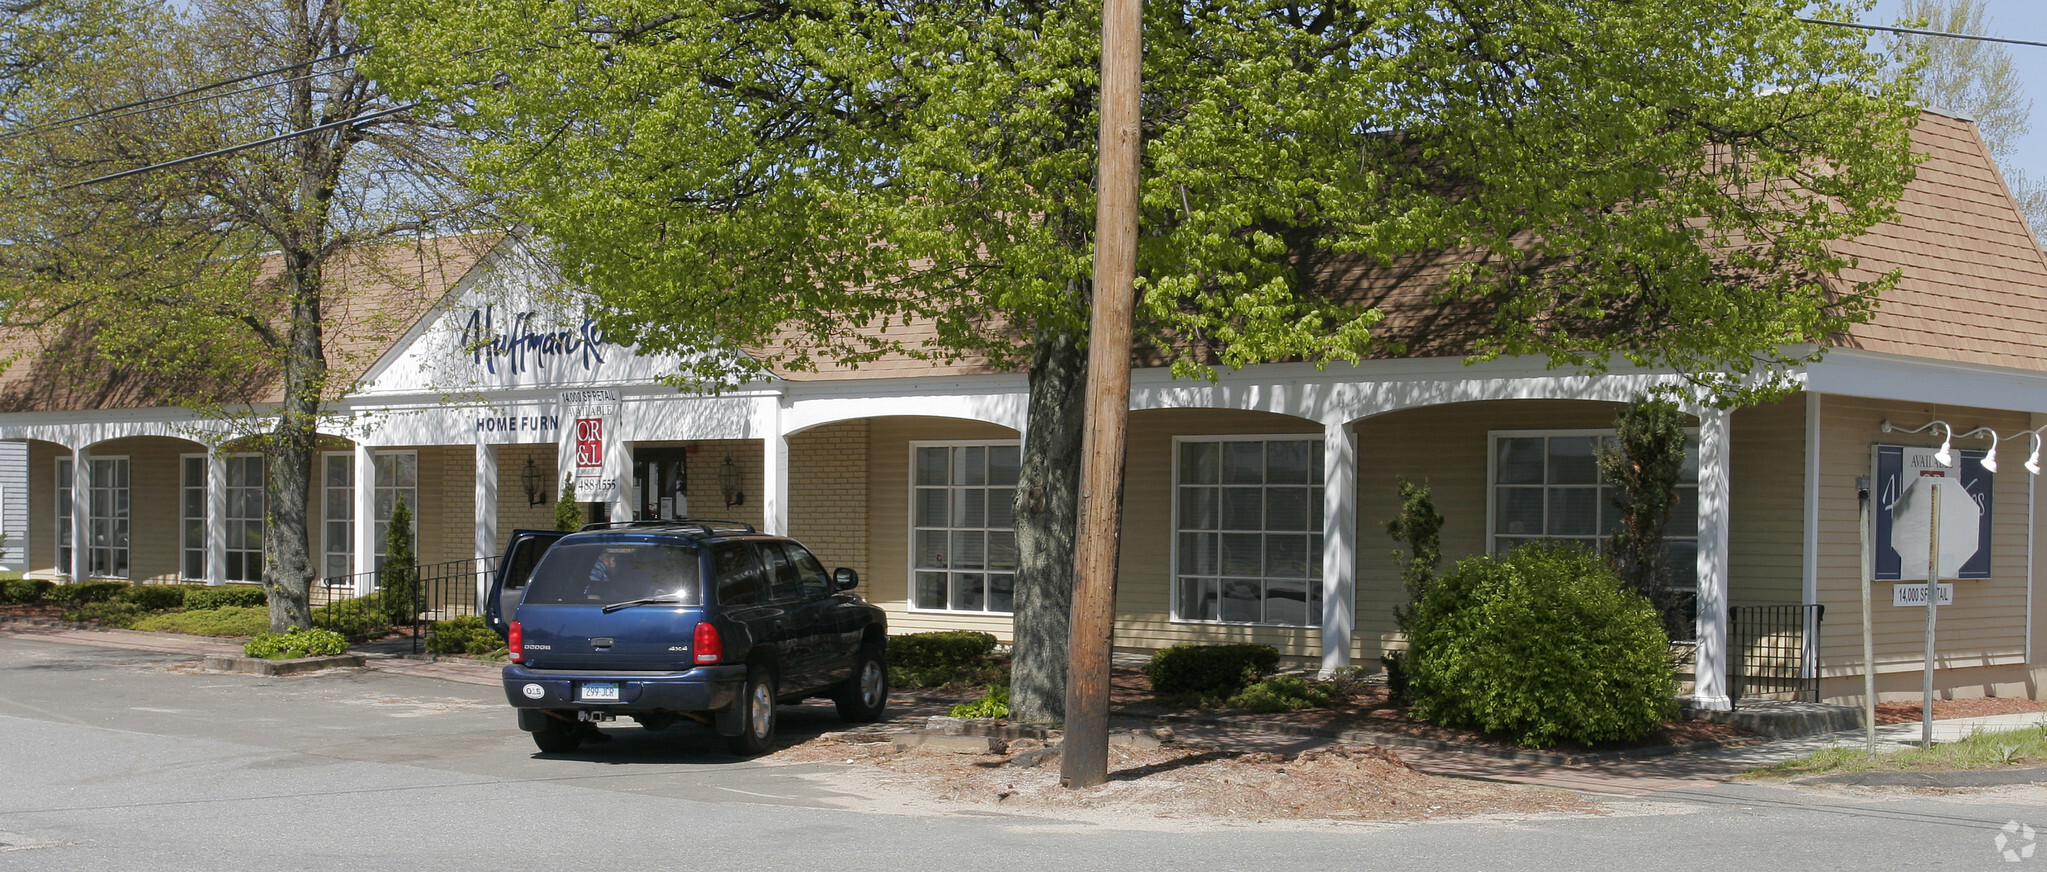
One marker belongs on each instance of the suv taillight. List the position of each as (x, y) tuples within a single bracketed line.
[(515, 641), (709, 647)]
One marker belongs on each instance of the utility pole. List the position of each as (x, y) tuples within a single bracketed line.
[(1084, 757)]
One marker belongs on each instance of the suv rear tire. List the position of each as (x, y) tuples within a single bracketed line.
[(864, 695), (756, 713), (557, 736)]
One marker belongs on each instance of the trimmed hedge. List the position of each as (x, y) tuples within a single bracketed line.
[(111, 613), (1209, 670), (85, 592), (1543, 645), (468, 634), (945, 658), (225, 621), (24, 591), (226, 596), (154, 597)]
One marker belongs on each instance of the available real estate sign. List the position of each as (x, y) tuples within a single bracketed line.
[(1904, 488), (590, 439)]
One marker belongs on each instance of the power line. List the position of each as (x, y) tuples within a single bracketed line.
[(1917, 32), (364, 119), (139, 104)]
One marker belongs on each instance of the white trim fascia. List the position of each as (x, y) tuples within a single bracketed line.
[(1857, 373), (1811, 533)]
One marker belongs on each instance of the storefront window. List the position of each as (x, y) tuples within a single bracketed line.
[(1248, 523), (963, 527)]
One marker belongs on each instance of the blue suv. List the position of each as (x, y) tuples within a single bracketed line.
[(664, 621)]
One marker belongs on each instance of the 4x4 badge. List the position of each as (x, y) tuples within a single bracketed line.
[(601, 642)]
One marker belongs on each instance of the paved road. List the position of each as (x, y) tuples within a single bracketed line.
[(113, 759)]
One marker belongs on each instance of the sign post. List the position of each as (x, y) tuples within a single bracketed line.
[(1867, 578), (1932, 610)]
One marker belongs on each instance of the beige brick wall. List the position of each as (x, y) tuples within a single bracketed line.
[(828, 495)]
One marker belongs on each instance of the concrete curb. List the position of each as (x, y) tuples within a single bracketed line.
[(260, 666), (1962, 778)]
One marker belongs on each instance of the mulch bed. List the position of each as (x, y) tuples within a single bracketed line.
[(1369, 711), (1946, 709)]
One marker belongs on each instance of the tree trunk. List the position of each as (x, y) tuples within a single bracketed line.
[(288, 464), (1047, 500)]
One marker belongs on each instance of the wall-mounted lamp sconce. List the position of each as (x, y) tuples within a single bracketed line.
[(728, 484), (1989, 460), (1947, 435), (530, 479)]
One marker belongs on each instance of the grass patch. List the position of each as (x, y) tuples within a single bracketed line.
[(2026, 747), (230, 621)]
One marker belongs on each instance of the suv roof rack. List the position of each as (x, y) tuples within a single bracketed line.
[(703, 526)]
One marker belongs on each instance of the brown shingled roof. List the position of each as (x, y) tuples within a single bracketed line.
[(373, 296)]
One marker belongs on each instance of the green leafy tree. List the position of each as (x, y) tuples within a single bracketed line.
[(398, 577), (1419, 527), (206, 285), (1977, 79), (568, 514), (827, 184), (1645, 465)]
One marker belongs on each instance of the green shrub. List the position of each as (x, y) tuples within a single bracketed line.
[(1543, 645), (85, 592), (24, 591), (464, 635), (295, 643), (946, 658), (225, 621), (1209, 670), (237, 596), (1286, 693), (154, 597), (111, 613), (358, 619), (994, 705)]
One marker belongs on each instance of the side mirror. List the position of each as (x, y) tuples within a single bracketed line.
[(845, 579)]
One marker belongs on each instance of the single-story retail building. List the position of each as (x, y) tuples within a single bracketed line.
[(1255, 504)]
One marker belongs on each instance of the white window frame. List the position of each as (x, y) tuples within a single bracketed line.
[(231, 517), (910, 546), (1598, 538), (186, 546), (383, 512), (345, 548), (64, 481), (1316, 531)]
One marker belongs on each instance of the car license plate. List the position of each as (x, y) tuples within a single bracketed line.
[(600, 691)]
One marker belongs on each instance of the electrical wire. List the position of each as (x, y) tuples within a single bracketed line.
[(1918, 32), (359, 120), (145, 105)]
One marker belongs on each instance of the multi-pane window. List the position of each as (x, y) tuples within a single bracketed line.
[(337, 516), (107, 517), (963, 527), (192, 517), (1248, 518), (397, 478), (244, 520), (1548, 486)]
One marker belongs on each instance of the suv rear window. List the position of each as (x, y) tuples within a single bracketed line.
[(589, 573)]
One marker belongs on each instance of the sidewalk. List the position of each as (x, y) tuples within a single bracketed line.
[(1615, 777)]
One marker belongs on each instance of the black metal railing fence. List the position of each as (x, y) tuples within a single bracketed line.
[(412, 601), (1773, 651)]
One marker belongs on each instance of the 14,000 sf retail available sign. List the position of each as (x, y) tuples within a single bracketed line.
[(589, 446)]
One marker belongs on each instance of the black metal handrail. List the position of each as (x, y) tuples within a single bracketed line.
[(1774, 650), (436, 592)]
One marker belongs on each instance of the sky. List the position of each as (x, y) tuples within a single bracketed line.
[(2012, 19)]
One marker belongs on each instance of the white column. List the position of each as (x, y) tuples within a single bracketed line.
[(81, 516), (619, 466), (774, 468), (1339, 543), (365, 532), (486, 514), (1710, 687), (216, 516)]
